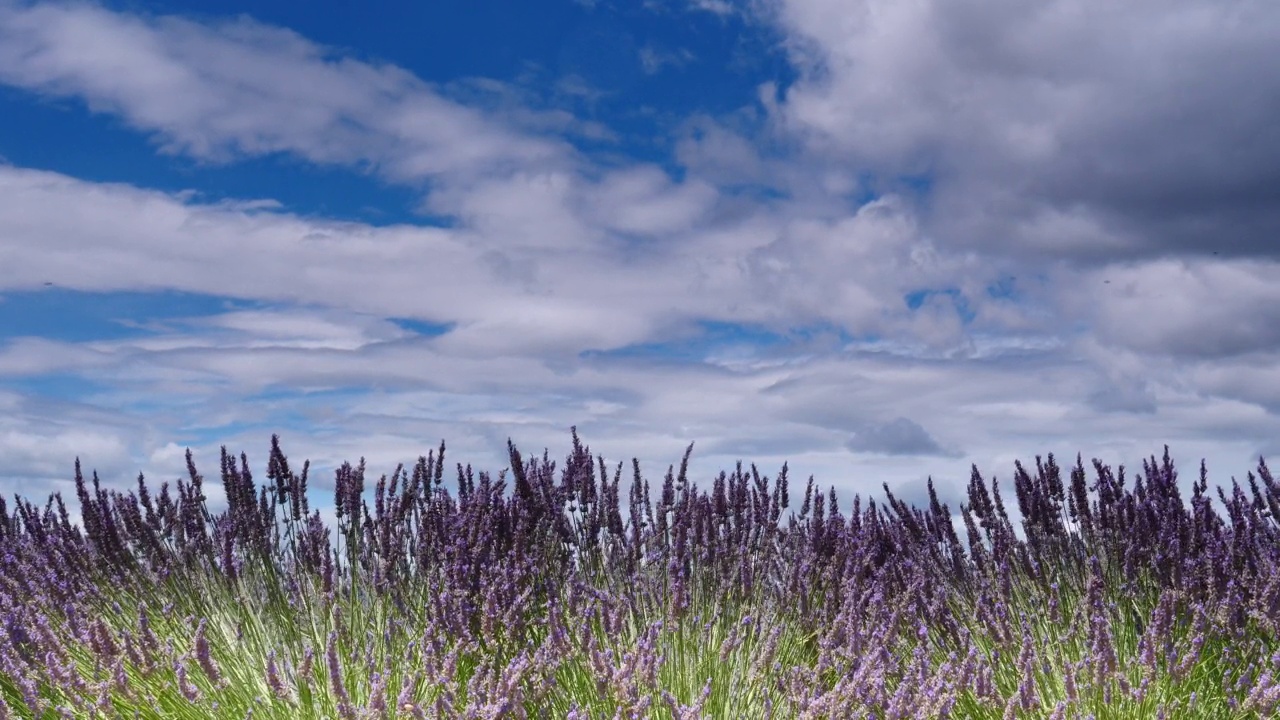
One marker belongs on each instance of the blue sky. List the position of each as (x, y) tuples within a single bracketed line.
[(879, 241)]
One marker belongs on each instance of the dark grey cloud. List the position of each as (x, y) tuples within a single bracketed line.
[(1128, 397), (1269, 451), (1152, 121), (899, 436)]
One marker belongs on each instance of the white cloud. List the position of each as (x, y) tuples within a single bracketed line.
[(715, 7), (1194, 309), (644, 201), (32, 452), (305, 330), (653, 58), (228, 88), (719, 154)]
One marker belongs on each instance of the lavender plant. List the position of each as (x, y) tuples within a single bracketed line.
[(556, 596)]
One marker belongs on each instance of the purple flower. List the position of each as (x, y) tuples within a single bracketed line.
[(335, 678), (188, 690), (273, 677), (204, 657)]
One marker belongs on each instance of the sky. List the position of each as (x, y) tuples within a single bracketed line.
[(880, 241)]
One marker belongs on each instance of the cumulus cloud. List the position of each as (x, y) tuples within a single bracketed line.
[(1135, 174), (1075, 128), (899, 436)]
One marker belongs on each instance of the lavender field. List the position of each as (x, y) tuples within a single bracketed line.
[(550, 595)]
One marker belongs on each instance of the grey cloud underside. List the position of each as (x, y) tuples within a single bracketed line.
[(1130, 398), (1155, 120), (899, 436)]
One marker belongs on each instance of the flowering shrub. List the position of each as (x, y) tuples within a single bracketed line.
[(557, 598)]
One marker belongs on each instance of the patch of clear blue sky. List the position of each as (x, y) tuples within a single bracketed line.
[(917, 298), (422, 327), (257, 447), (56, 313), (63, 137), (1004, 288), (54, 386), (275, 393), (708, 336)]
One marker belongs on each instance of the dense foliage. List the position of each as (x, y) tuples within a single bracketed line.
[(558, 597)]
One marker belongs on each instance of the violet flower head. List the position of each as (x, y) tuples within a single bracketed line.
[(185, 686), (335, 678), (273, 677), (204, 657)]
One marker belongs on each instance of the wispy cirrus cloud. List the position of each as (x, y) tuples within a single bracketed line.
[(654, 59)]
